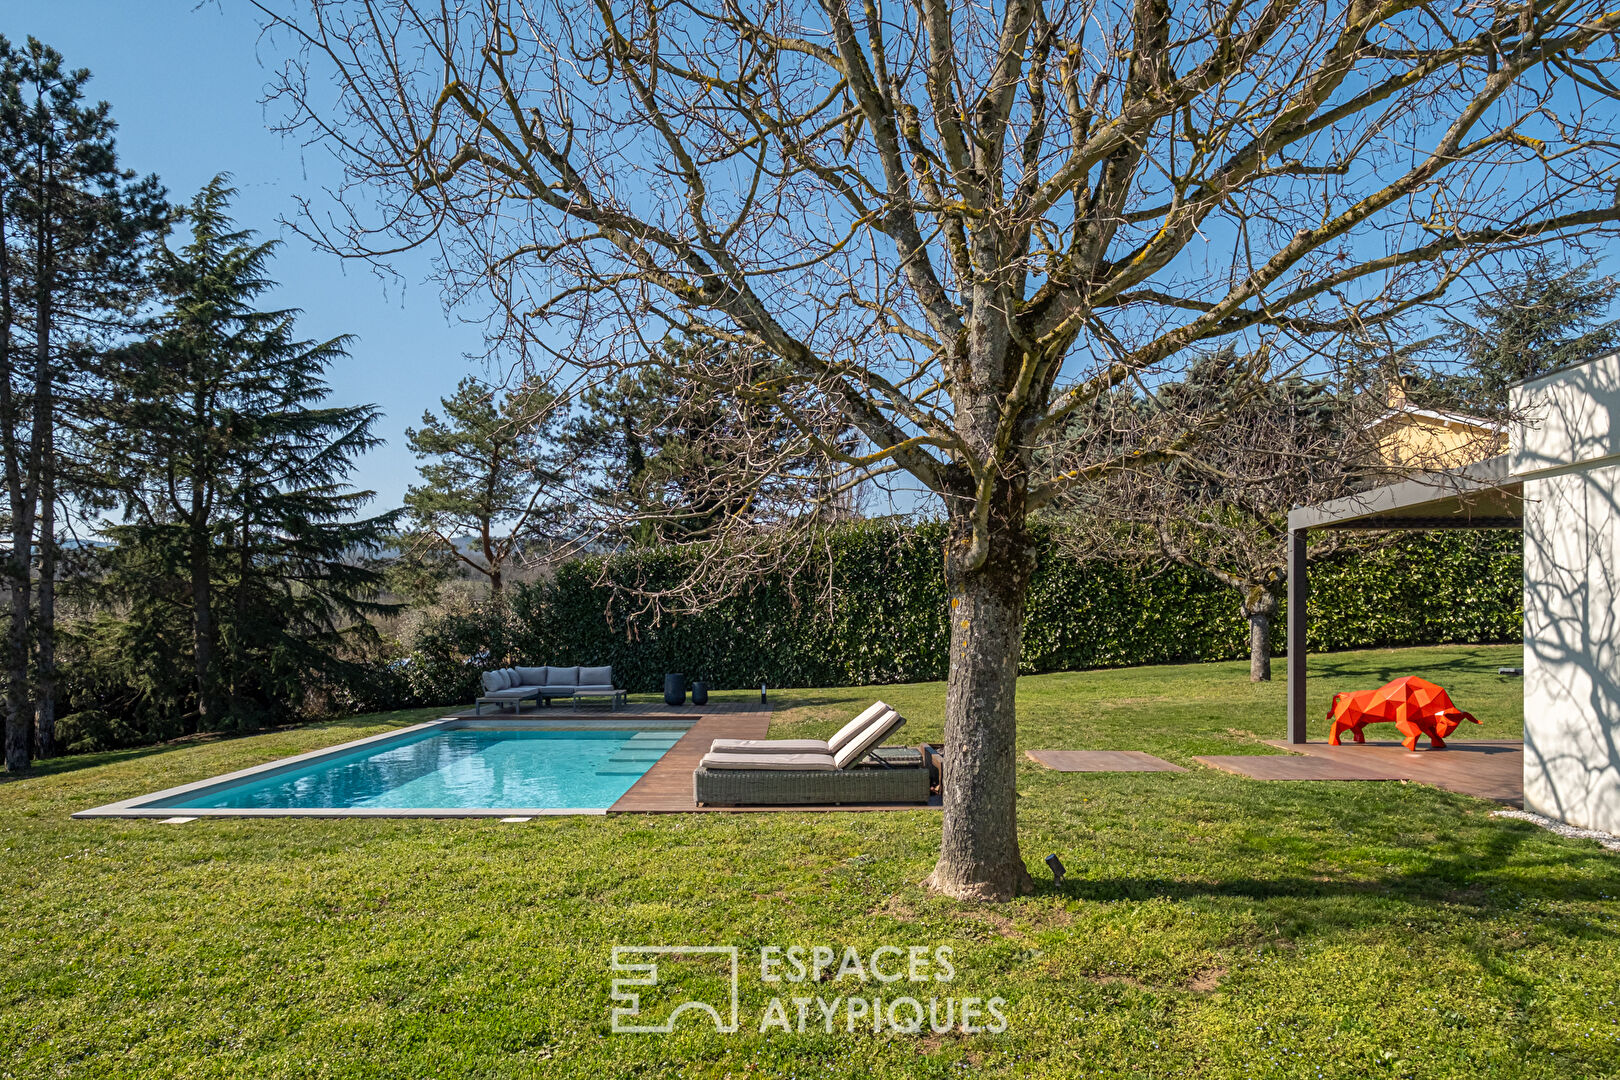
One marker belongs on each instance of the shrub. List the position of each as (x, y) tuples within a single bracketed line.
[(874, 612)]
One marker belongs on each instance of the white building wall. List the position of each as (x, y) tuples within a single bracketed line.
[(1566, 450)]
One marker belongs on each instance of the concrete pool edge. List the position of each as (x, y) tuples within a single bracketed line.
[(143, 806)]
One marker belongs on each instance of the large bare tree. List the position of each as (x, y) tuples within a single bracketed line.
[(955, 224)]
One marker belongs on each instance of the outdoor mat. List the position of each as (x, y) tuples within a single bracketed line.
[(1101, 761), (1293, 767)]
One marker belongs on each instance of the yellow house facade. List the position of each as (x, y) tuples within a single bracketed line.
[(1408, 437)]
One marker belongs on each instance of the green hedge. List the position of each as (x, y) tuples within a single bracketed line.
[(883, 620)]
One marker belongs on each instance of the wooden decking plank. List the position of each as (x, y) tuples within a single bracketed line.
[(1294, 767), (1484, 768)]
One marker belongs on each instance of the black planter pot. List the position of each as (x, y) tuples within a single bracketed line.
[(700, 693), (675, 689)]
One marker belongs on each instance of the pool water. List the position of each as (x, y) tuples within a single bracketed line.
[(457, 768)]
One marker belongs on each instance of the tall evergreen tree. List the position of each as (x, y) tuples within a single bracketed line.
[(1554, 314), (231, 470), (490, 474), (72, 232)]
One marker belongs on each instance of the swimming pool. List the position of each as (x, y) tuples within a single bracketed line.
[(446, 768)]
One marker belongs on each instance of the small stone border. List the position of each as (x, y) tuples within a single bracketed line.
[(1608, 840)]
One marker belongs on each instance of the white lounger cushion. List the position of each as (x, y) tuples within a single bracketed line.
[(770, 762), (768, 746), (878, 714), (850, 730), (875, 733)]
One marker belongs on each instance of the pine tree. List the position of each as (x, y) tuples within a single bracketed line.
[(73, 228), (490, 473), (231, 470), (1554, 315)]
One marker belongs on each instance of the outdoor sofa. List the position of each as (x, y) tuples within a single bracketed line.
[(516, 685), (850, 767)]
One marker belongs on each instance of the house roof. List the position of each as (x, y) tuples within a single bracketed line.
[(1461, 419)]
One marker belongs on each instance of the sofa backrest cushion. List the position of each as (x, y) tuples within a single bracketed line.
[(596, 676), (562, 676), (531, 676), (493, 681), (875, 732), (856, 726)]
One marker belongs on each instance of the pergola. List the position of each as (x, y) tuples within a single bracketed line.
[(1481, 496)]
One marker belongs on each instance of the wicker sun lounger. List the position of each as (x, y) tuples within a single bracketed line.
[(847, 769), (901, 778)]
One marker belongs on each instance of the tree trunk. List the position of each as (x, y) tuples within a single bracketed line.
[(19, 702), (45, 634), (979, 857), (1259, 605), (20, 503), (202, 631)]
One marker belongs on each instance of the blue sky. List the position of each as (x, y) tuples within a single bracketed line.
[(185, 83)]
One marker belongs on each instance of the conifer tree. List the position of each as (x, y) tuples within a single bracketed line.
[(73, 228), (232, 470), (489, 473), (1552, 315)]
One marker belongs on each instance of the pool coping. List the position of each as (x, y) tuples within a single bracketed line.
[(141, 806)]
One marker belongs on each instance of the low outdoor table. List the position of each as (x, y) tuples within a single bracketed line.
[(616, 697)]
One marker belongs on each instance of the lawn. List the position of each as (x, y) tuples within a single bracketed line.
[(1211, 926)]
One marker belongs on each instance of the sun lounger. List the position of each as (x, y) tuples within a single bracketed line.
[(812, 746), (749, 775)]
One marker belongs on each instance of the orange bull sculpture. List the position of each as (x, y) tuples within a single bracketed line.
[(1415, 706)]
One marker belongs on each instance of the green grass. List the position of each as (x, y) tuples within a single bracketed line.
[(1212, 926)]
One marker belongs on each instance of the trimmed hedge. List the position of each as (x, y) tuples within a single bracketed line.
[(883, 620)]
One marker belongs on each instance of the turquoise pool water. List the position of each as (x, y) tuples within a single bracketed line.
[(469, 768)]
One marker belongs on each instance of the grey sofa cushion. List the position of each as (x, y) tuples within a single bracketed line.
[(514, 692), (562, 676), (596, 676), (510, 676), (493, 681), (531, 676)]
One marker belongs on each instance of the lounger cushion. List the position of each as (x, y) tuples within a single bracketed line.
[(492, 681), (770, 762), (768, 746), (875, 733), (532, 676), (596, 676), (562, 676), (856, 726)]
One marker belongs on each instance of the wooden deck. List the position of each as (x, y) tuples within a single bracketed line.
[(1485, 768)]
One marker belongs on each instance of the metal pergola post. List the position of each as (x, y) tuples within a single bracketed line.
[(1298, 593)]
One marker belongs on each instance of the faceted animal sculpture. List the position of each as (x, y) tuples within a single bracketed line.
[(1415, 706)]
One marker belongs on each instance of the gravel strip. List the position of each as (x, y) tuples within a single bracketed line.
[(1608, 840)]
